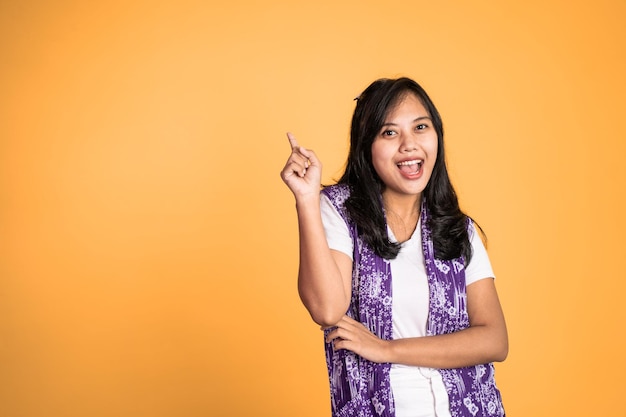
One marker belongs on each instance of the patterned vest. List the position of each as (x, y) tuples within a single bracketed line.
[(360, 388)]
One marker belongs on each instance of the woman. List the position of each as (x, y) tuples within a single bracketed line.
[(394, 271)]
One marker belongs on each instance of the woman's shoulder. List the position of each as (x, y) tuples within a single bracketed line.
[(337, 193)]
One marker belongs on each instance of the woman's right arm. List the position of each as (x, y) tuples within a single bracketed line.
[(324, 276)]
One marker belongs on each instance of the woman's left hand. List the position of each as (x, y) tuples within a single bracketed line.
[(354, 336)]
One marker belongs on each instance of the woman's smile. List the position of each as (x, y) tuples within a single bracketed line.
[(411, 169)]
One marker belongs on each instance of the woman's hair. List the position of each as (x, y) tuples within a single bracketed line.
[(447, 223)]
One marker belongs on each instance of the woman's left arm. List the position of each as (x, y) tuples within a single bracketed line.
[(485, 341)]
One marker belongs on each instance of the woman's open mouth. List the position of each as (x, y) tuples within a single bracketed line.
[(411, 167)]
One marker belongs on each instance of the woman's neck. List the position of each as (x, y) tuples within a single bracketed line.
[(402, 213), (403, 205)]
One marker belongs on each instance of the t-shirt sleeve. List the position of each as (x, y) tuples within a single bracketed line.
[(479, 266), (337, 233)]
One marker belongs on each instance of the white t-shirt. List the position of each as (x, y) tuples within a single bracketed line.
[(417, 391)]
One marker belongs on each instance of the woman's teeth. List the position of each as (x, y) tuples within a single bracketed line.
[(410, 167)]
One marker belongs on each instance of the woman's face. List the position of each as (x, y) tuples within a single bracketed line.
[(405, 149)]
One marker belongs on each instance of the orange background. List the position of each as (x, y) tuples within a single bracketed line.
[(148, 248)]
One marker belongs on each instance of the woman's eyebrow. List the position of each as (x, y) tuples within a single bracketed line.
[(414, 120)]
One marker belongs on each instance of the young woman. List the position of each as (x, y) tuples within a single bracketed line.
[(394, 271)]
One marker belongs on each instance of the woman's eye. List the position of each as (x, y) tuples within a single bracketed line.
[(388, 132), (421, 126)]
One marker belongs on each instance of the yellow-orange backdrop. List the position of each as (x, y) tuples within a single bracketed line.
[(148, 249)]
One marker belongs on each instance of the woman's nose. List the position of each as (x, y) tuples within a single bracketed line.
[(409, 142)]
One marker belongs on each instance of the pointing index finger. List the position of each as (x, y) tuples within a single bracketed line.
[(292, 140)]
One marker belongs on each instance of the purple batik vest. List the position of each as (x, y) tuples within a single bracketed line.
[(361, 388)]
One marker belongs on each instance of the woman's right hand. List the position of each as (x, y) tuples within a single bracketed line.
[(324, 275), (302, 172)]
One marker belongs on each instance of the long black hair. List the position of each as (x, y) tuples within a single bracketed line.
[(447, 223)]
